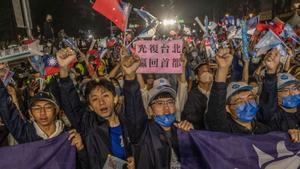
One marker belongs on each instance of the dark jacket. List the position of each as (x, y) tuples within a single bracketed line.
[(194, 108), (3, 136), (22, 129), (48, 31), (152, 147), (217, 119), (271, 113), (93, 128)]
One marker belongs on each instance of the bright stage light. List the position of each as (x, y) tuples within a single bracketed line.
[(168, 22)]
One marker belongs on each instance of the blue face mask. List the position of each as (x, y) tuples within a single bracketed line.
[(246, 112), (165, 120), (291, 101)]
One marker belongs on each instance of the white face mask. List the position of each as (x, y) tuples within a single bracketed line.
[(194, 54), (206, 77)]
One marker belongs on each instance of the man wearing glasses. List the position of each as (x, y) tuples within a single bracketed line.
[(155, 140), (43, 124), (233, 109), (280, 104)]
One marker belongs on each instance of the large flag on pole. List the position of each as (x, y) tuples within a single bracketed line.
[(115, 10), (215, 150), (151, 23), (55, 153)]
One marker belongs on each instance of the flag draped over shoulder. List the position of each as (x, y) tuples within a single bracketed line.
[(55, 153), (214, 150)]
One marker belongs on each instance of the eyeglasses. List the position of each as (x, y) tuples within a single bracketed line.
[(46, 108), (292, 89), (161, 103), (240, 101)]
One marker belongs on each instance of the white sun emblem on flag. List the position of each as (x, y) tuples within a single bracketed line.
[(52, 61), (285, 158)]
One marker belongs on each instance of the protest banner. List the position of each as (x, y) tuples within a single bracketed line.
[(54, 153), (201, 150), (160, 56)]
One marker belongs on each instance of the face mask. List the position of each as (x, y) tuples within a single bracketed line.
[(165, 120), (291, 101), (194, 54), (206, 77), (246, 112)]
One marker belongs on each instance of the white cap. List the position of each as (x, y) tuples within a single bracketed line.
[(159, 86), (285, 79), (235, 87)]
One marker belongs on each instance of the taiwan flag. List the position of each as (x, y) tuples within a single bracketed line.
[(115, 10), (51, 65)]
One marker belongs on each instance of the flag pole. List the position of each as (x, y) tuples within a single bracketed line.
[(111, 29)]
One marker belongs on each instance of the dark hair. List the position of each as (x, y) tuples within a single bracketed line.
[(163, 95), (147, 76), (196, 70), (91, 85)]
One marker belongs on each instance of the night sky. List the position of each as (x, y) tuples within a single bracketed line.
[(74, 15)]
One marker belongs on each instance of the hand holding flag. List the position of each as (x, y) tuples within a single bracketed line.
[(272, 61), (267, 42)]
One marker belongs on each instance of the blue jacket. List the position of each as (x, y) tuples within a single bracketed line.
[(152, 148)]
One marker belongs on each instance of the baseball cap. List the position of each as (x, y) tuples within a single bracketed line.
[(285, 79), (44, 96), (235, 87), (161, 85)]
